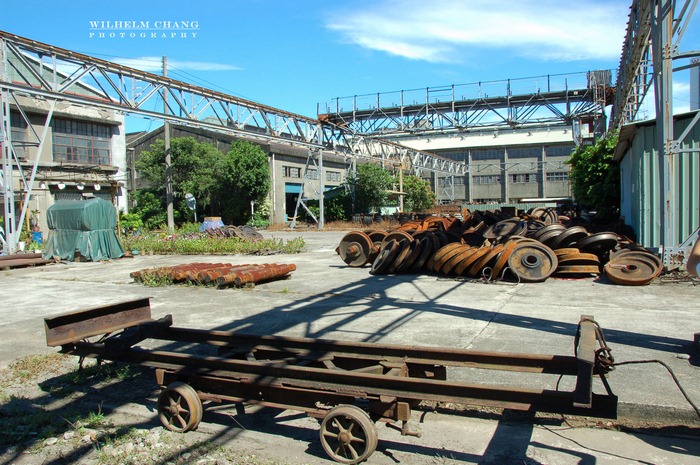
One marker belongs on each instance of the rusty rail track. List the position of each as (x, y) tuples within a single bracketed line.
[(324, 378)]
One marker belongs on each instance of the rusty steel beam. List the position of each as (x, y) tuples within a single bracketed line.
[(75, 326), (509, 361)]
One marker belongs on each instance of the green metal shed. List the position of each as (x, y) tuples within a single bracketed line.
[(642, 201)]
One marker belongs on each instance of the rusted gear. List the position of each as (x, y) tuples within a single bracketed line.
[(462, 253), (546, 215), (426, 251), (355, 248), (532, 263), (398, 235), (569, 237), (598, 243), (579, 258), (485, 261), (502, 259), (400, 256), (513, 226), (548, 232), (641, 254), (376, 237), (447, 257), (630, 271), (442, 238), (435, 259), (566, 251), (453, 236), (414, 250), (573, 271), (533, 225), (462, 268), (475, 239), (386, 256)]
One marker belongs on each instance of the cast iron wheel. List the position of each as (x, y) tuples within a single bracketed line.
[(179, 407), (532, 263), (348, 435), (355, 248)]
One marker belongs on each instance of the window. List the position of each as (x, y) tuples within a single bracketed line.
[(559, 151), (558, 176), (489, 154), (333, 176), (18, 133), (520, 178), (456, 181), (81, 142), (525, 152), (292, 172), (488, 179), (487, 200), (311, 173)]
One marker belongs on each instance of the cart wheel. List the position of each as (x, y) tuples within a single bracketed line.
[(348, 435), (179, 407)]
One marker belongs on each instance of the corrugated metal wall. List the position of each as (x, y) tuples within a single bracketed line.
[(641, 200)]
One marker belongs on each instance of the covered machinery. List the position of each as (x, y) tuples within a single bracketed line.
[(86, 226)]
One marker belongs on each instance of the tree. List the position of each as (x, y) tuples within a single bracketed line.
[(196, 169), (595, 177), (370, 184), (246, 178), (419, 195)]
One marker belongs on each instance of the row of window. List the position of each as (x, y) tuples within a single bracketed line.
[(77, 142), (513, 178), (510, 152), (295, 172)]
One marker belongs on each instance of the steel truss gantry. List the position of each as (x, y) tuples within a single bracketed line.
[(564, 98), (652, 43), (40, 71)]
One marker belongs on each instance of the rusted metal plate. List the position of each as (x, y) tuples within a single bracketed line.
[(9, 264), (75, 326), (586, 357)]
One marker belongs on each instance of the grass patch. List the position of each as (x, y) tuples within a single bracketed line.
[(183, 244), (32, 367)]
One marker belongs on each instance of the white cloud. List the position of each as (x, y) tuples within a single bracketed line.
[(444, 30), (155, 64)]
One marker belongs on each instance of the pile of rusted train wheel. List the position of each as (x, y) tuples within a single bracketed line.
[(493, 246)]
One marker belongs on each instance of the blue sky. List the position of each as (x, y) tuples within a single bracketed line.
[(294, 54)]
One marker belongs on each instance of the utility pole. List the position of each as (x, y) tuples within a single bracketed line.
[(168, 167)]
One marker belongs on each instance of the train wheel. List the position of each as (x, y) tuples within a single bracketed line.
[(179, 407), (348, 435)]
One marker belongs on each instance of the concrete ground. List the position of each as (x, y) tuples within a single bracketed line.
[(324, 298)]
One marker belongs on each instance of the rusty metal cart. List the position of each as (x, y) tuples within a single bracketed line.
[(347, 385)]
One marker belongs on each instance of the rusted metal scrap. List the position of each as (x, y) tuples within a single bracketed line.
[(8, 262), (493, 246), (219, 274)]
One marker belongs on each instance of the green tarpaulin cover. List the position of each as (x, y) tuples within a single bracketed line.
[(87, 226)]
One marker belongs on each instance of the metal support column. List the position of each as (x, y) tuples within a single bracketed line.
[(662, 26)]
